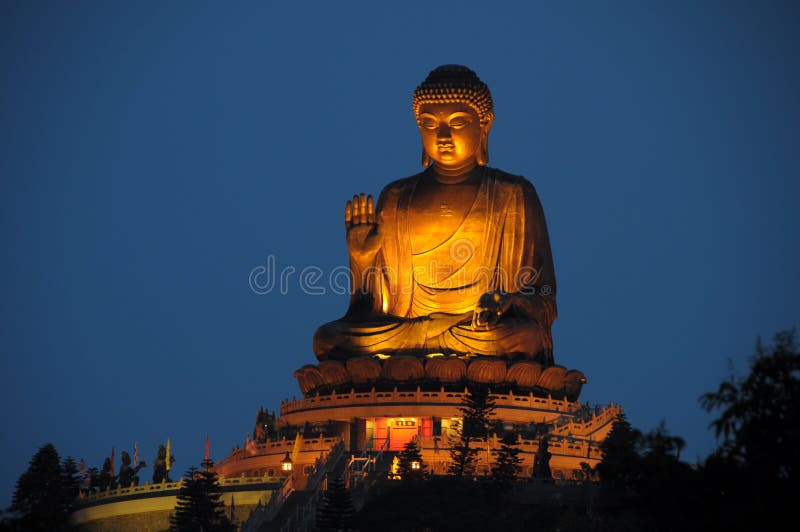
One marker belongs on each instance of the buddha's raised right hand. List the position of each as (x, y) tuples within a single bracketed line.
[(363, 237)]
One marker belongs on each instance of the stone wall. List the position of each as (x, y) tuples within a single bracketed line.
[(148, 508)]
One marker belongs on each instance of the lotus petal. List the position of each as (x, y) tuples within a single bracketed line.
[(524, 374), (363, 369), (442, 369), (334, 372), (553, 378), (487, 371), (309, 378), (403, 369)]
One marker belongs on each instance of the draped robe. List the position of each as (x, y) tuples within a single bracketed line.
[(422, 302)]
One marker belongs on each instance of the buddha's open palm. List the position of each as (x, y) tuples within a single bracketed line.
[(359, 221)]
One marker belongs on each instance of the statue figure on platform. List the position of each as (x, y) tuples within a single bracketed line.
[(129, 476), (454, 260)]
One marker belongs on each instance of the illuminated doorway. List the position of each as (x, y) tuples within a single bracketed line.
[(393, 433)]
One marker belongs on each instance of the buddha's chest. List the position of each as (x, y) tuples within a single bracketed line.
[(436, 212)]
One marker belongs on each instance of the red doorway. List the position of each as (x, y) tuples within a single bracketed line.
[(397, 430)]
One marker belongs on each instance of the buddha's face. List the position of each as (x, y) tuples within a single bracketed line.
[(451, 135)]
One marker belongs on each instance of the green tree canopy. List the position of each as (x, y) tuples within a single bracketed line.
[(199, 507), (477, 409), (39, 497), (336, 512), (759, 419), (751, 478), (406, 460), (620, 465), (507, 466)]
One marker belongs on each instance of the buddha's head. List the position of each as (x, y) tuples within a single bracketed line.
[(454, 112)]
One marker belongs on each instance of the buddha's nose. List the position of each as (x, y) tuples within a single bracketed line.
[(443, 132)]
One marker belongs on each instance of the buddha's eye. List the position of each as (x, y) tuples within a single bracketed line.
[(460, 122), (428, 123)]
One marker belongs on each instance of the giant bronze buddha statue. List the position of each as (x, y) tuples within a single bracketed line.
[(454, 260)]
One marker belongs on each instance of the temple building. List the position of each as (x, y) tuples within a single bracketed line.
[(384, 415)]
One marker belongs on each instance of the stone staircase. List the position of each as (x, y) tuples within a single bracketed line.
[(288, 503), (293, 510)]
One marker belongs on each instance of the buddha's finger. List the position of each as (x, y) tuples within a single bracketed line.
[(370, 210), (348, 213), (362, 209), (356, 214)]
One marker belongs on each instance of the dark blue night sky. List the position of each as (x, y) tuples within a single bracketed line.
[(154, 154)]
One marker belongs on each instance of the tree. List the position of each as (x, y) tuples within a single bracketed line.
[(620, 465), (477, 408), (337, 510), (760, 414), (95, 480), (651, 488), (409, 456), (70, 482), (507, 466), (39, 495), (751, 478), (587, 473), (199, 507)]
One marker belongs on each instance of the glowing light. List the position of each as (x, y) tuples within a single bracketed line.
[(286, 463), (415, 465), (434, 355), (381, 356)]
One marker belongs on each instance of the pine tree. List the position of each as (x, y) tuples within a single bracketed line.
[(39, 494), (462, 456), (621, 459), (69, 482), (199, 507), (406, 460), (507, 466), (337, 509), (95, 479), (477, 408)]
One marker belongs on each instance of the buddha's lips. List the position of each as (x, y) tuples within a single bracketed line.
[(445, 147)]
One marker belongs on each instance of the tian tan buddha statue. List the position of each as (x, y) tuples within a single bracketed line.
[(455, 260)]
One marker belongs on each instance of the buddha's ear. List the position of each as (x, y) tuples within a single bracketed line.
[(483, 151), (426, 159)]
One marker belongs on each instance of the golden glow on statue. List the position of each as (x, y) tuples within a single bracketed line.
[(452, 134), (454, 260)]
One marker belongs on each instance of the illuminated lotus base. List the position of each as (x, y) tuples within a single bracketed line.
[(386, 373)]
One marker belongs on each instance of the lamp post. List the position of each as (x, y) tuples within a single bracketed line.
[(286, 464)]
